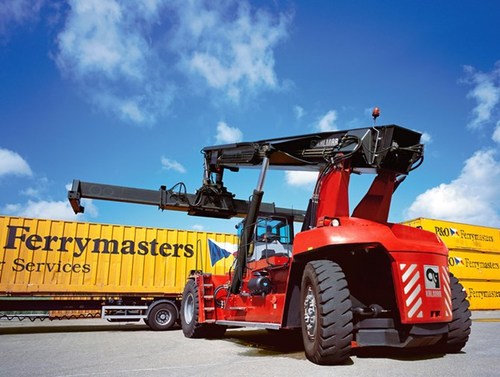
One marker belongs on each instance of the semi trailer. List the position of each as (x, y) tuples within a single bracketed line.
[(66, 269)]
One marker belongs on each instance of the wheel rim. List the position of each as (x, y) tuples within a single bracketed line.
[(310, 313), (189, 308), (162, 316)]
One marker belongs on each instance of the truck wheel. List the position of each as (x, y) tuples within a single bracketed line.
[(162, 316), (326, 313), (459, 327), (190, 308)]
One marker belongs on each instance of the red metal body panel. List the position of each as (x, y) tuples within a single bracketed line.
[(413, 252), (245, 306), (422, 286), (354, 231), (376, 203), (334, 184)]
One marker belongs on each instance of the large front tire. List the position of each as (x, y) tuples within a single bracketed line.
[(326, 313), (459, 327)]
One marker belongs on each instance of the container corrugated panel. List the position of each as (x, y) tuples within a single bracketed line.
[(482, 295), (49, 256), (474, 264), (461, 236)]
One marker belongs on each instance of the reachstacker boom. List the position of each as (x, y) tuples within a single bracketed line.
[(347, 279)]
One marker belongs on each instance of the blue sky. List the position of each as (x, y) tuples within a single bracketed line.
[(129, 92)]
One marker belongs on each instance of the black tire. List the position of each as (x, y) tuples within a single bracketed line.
[(162, 316), (459, 327), (190, 309), (326, 313)]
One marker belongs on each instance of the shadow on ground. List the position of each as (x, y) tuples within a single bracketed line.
[(289, 344), (71, 326)]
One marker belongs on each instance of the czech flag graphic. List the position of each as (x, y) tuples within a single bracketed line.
[(220, 250)]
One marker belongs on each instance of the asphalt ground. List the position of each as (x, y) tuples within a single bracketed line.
[(94, 347)]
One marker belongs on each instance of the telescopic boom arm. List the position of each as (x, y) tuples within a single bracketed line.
[(210, 203)]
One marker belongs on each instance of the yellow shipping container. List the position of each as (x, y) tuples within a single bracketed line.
[(474, 265), (461, 236), (482, 295), (50, 257)]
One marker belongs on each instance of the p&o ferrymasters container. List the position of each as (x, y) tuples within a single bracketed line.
[(474, 258), (461, 236), (125, 272)]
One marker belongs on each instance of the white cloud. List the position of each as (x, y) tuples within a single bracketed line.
[(48, 209), (97, 39), (106, 49), (299, 112), (30, 191), (496, 133), (172, 165), (486, 93), (229, 45), (11, 163), (227, 134), (426, 138), (198, 227), (14, 12), (470, 198), (56, 210), (124, 55), (327, 122), (305, 179)]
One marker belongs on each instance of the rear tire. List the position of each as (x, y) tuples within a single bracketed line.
[(459, 327), (162, 316), (326, 313), (190, 309)]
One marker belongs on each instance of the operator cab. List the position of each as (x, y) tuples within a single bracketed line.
[(273, 237)]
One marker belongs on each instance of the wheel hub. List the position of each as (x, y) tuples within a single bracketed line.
[(163, 316), (310, 313), (189, 308)]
